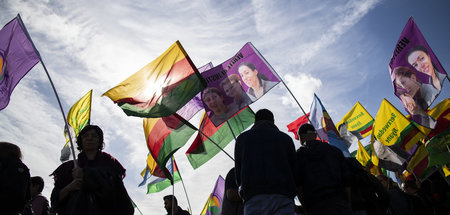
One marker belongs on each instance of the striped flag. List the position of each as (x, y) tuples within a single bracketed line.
[(203, 148), (156, 182), (161, 87), (165, 136), (325, 127), (358, 120), (392, 128)]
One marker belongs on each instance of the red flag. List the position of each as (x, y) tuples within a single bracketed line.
[(293, 126)]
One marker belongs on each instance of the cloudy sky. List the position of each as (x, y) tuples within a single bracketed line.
[(338, 49)]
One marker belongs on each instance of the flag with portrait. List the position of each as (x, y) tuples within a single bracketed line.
[(236, 83), (416, 74)]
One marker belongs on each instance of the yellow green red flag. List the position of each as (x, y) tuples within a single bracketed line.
[(392, 128), (161, 87), (358, 119)]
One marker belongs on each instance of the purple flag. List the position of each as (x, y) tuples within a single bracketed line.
[(17, 57), (214, 204), (237, 83), (416, 73), (195, 104)]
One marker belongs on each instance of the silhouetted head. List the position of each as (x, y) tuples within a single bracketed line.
[(306, 132), (90, 132), (264, 114), (9, 151)]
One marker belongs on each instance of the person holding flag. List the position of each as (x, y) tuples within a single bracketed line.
[(94, 184)]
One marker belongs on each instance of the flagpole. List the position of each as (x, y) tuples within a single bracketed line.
[(173, 195), (182, 182), (201, 132), (22, 25), (279, 77)]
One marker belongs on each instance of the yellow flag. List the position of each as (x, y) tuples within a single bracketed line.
[(358, 119), (80, 113), (361, 155), (79, 116), (392, 128)]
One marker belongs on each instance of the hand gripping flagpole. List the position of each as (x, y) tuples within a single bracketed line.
[(53, 86)]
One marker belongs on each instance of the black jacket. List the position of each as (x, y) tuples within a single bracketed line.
[(264, 162)]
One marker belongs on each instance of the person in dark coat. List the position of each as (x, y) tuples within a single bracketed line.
[(322, 175), (264, 162), (14, 180)]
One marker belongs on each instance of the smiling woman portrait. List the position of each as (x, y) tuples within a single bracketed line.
[(90, 187), (258, 84), (419, 58)]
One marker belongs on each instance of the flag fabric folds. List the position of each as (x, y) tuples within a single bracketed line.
[(439, 149), (362, 156), (293, 126), (416, 74), (195, 104), (236, 83), (325, 127), (441, 112), (159, 183), (165, 136), (358, 120), (392, 128), (213, 205), (17, 57), (79, 116), (161, 87), (204, 147)]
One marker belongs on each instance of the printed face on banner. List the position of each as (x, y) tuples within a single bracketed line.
[(416, 74), (236, 83)]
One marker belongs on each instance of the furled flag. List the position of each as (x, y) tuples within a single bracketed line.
[(441, 112), (213, 205), (439, 149), (392, 128), (17, 57), (325, 127), (161, 87), (165, 136), (419, 161), (205, 147), (237, 83), (195, 104), (389, 157), (158, 183), (365, 156), (362, 156), (293, 126), (358, 121), (416, 74), (79, 116)]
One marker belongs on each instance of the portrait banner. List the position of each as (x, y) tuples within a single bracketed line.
[(416, 73), (236, 83)]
